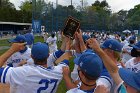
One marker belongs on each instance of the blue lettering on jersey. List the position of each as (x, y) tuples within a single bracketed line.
[(47, 82), (136, 70), (16, 60)]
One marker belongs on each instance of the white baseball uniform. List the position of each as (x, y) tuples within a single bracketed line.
[(17, 57), (51, 59), (52, 44), (133, 66), (33, 78), (126, 56), (78, 90)]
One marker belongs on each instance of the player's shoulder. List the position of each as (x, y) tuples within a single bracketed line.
[(130, 61), (28, 51), (16, 54), (74, 90), (24, 67), (77, 90)]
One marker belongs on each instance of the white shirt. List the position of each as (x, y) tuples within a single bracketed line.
[(78, 90), (50, 61), (126, 56), (133, 66), (52, 44), (17, 57), (33, 79)]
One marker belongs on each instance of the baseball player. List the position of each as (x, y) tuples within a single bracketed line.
[(134, 63), (29, 38), (52, 43), (14, 48), (127, 81), (21, 56), (37, 78), (59, 36), (89, 69), (104, 78), (53, 56)]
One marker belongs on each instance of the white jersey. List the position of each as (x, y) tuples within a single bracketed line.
[(78, 90), (33, 78), (133, 66), (51, 59), (126, 56), (59, 35), (52, 44), (17, 57), (124, 43)]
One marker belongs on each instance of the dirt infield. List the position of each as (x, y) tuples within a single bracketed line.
[(4, 88)]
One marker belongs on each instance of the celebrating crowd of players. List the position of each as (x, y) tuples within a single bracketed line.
[(103, 63)]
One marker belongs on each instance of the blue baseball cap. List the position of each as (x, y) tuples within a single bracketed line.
[(132, 38), (112, 44), (18, 39), (131, 78), (123, 37), (137, 46), (40, 50), (85, 37), (90, 63)]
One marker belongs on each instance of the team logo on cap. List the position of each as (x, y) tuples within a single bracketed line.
[(81, 64), (110, 46)]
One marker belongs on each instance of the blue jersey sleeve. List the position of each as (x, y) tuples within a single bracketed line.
[(1, 71), (106, 76), (65, 62), (58, 53), (10, 65), (3, 74)]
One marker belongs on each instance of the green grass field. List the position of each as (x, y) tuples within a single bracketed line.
[(61, 87)]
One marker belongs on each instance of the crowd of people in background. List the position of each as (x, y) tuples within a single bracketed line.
[(103, 63)]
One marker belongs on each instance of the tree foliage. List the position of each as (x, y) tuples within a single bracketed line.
[(98, 16)]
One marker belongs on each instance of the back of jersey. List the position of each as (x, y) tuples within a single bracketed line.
[(43, 80), (33, 79)]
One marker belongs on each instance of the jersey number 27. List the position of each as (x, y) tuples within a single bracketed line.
[(47, 82)]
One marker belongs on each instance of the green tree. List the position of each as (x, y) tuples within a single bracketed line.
[(133, 20)]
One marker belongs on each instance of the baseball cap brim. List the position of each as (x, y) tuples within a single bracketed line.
[(136, 47), (12, 41), (103, 47), (129, 77)]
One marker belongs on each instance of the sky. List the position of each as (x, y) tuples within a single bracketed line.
[(115, 5)]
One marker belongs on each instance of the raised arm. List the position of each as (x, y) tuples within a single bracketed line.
[(67, 55), (82, 44), (109, 64), (14, 48)]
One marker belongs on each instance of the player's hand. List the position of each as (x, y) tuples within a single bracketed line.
[(93, 43), (66, 72), (68, 43), (101, 89), (17, 46), (79, 35)]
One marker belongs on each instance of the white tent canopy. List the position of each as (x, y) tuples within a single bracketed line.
[(126, 31)]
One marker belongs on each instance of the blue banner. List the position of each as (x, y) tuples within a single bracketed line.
[(36, 26)]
